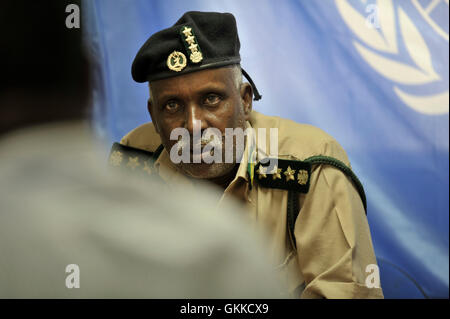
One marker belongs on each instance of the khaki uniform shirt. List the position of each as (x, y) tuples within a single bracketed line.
[(333, 240)]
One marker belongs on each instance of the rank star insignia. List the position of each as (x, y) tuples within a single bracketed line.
[(187, 31), (176, 61), (191, 45), (190, 39), (133, 162), (276, 173), (116, 158), (261, 173), (289, 174), (147, 168), (302, 177)]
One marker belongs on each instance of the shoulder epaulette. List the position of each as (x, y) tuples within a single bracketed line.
[(284, 174), (133, 158), (295, 175)]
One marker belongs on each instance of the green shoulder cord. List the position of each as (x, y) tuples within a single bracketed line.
[(293, 207)]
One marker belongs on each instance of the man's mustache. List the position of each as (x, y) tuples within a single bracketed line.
[(213, 140)]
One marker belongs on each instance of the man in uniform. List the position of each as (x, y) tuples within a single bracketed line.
[(309, 203)]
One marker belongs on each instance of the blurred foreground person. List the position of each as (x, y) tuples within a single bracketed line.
[(68, 227)]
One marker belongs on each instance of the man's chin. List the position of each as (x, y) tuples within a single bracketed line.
[(206, 171)]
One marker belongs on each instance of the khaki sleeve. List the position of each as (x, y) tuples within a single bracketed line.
[(125, 140), (333, 238)]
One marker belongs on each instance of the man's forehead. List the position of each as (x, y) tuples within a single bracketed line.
[(221, 78)]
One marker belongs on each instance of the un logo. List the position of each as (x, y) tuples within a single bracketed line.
[(411, 71)]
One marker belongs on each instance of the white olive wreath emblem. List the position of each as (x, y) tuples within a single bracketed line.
[(422, 72)]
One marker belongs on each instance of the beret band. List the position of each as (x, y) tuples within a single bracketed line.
[(189, 69)]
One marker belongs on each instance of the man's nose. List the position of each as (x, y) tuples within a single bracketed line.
[(194, 119)]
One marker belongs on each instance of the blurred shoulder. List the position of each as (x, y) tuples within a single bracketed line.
[(143, 137)]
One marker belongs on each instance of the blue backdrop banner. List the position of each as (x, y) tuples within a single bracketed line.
[(373, 74)]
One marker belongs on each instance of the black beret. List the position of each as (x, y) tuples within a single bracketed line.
[(197, 41)]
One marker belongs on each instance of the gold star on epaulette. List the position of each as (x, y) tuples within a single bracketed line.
[(302, 177), (147, 168), (116, 158), (261, 173), (276, 173), (133, 162), (289, 174)]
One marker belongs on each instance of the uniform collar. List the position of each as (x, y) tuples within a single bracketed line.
[(249, 151), (241, 185)]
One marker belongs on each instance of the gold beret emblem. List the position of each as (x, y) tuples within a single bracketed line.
[(176, 61)]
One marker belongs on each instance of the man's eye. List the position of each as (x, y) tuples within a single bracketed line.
[(212, 99), (172, 106)]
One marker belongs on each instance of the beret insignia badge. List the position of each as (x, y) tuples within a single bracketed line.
[(176, 61), (191, 44)]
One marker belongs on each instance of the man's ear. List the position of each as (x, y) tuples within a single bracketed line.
[(149, 107), (247, 99)]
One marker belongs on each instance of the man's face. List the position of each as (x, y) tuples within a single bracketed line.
[(213, 98)]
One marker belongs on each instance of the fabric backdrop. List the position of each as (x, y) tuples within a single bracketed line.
[(373, 74)]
